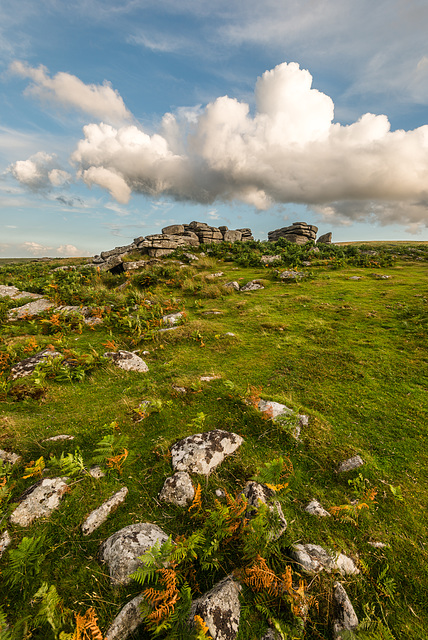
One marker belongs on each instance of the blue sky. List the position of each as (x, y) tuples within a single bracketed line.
[(119, 118)]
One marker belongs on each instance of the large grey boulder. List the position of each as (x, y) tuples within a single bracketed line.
[(203, 452), (34, 308), (122, 550), (312, 558), (232, 236), (178, 489), (97, 517), (127, 621), (27, 366), (325, 238), (127, 361), (298, 232), (220, 610), (40, 501), (258, 494), (345, 619)]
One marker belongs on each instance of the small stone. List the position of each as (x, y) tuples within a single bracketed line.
[(27, 366), (274, 409), (291, 275), (314, 508), (377, 545), (233, 285), (96, 472), (179, 389), (59, 438), (34, 308), (209, 378), (313, 558), (40, 502), (5, 541), (178, 489), (253, 285), (258, 494), (220, 610), (203, 452), (269, 259), (345, 618), (172, 318), (127, 361), (122, 550), (350, 464), (97, 517), (9, 457), (355, 278), (127, 621), (220, 493)]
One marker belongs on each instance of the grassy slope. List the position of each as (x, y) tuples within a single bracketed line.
[(351, 354)]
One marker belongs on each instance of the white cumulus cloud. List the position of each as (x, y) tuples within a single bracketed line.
[(39, 172), (100, 101), (288, 150)]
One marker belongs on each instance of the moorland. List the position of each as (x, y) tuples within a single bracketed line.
[(345, 343)]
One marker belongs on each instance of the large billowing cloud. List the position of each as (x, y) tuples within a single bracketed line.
[(289, 150), (66, 90), (40, 172)]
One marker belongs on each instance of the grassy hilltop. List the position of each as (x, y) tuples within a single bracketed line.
[(351, 354)]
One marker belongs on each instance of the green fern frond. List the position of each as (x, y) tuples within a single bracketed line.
[(25, 561), (51, 610)]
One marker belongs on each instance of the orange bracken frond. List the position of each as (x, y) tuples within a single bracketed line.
[(87, 626), (197, 500), (116, 462), (163, 600), (35, 468), (201, 626), (31, 345), (110, 345)]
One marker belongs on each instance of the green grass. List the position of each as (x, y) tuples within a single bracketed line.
[(350, 354)]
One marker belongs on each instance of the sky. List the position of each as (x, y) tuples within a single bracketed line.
[(118, 118)]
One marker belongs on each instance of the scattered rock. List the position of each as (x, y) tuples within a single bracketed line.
[(40, 502), (258, 494), (253, 285), (230, 334), (315, 509), (96, 472), (313, 558), (5, 541), (355, 278), (272, 635), (377, 545), (178, 489), (27, 366), (11, 458), (127, 621), (345, 618), (127, 361), (179, 389), (97, 517), (219, 493), (30, 309), (233, 285), (15, 294), (122, 550), (281, 413), (350, 464), (289, 274), (220, 610), (209, 378), (269, 259), (274, 409), (173, 318), (135, 265), (379, 276), (62, 436), (202, 452)]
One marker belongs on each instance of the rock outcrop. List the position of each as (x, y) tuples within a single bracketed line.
[(299, 233)]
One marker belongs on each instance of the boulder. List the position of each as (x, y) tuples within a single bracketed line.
[(298, 232), (34, 308), (9, 457), (40, 501), (135, 265), (253, 285), (350, 464), (220, 610), (122, 550), (315, 509), (15, 294), (269, 259), (312, 558), (289, 274), (117, 251), (258, 494), (232, 236), (113, 264), (97, 517), (345, 619), (127, 361), (233, 285), (27, 366), (127, 620), (5, 541), (203, 452), (325, 238), (173, 229), (173, 318), (178, 489)]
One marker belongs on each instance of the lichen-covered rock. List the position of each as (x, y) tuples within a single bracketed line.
[(345, 618), (178, 489), (30, 309), (315, 509), (258, 494), (127, 361), (350, 464), (27, 366), (121, 551), (127, 620), (220, 610), (9, 457), (233, 285), (289, 274), (15, 294), (313, 558), (253, 285), (59, 438), (5, 541), (172, 318), (40, 502), (269, 259), (202, 452), (274, 409), (281, 413), (97, 517)]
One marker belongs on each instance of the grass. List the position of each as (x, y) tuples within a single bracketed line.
[(350, 354)]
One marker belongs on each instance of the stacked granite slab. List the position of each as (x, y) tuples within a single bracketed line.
[(298, 232)]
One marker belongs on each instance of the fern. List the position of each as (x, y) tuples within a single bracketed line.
[(110, 446), (25, 562), (51, 610), (71, 464), (5, 632)]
